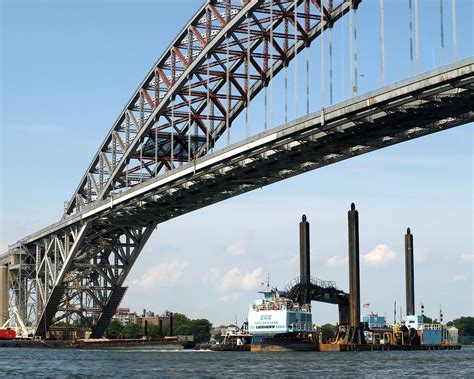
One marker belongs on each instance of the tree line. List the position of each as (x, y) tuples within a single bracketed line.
[(200, 329)]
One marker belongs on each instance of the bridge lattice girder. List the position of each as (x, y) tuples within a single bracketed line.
[(116, 231), (218, 63), (79, 264), (80, 272)]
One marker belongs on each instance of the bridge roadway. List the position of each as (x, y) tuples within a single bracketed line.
[(429, 103), (425, 104)]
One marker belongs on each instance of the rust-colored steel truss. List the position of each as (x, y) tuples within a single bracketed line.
[(219, 62)]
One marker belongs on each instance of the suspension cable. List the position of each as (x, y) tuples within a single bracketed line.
[(208, 125), (356, 78), (342, 57), (455, 33), (323, 23), (307, 79), (142, 122), (441, 15), (247, 132), (410, 28), (156, 149), (351, 49), (229, 101), (417, 36), (296, 58), (330, 62), (208, 38), (271, 64), (172, 133), (382, 42), (286, 69), (189, 118), (228, 92)]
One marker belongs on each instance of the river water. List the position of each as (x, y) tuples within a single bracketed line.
[(151, 363)]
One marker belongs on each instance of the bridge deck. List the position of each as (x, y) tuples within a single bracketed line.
[(431, 102)]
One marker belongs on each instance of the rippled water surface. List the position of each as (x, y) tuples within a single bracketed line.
[(136, 363)]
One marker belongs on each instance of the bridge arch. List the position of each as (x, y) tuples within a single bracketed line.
[(224, 56), (228, 52), (79, 264)]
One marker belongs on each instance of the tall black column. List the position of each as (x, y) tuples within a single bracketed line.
[(343, 314), (305, 273), (171, 324), (354, 274), (409, 273)]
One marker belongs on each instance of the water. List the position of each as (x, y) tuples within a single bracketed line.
[(143, 363)]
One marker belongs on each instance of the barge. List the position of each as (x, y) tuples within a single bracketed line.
[(277, 323)]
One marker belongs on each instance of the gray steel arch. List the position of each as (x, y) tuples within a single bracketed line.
[(225, 51), (78, 265)]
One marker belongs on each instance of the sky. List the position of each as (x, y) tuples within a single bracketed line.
[(68, 68)]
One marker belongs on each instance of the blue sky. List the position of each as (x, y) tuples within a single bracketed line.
[(67, 69)]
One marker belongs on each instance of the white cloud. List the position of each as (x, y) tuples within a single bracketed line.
[(234, 279), (466, 258), (252, 279), (211, 277), (227, 298), (166, 274), (231, 279), (295, 258), (382, 255), (237, 249), (459, 278), (420, 255), (335, 261)]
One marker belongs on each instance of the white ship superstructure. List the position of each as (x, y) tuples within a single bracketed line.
[(275, 314)]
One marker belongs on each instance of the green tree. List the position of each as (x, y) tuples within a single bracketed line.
[(464, 324), (429, 320), (132, 330), (328, 331), (179, 320), (114, 329), (201, 330), (183, 329), (83, 321), (153, 330)]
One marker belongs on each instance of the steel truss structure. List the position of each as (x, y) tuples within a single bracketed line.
[(156, 163), (219, 62)]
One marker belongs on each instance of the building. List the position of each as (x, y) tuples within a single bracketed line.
[(374, 320), (124, 316), (155, 320)]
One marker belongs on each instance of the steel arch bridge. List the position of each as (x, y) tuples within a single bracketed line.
[(157, 161)]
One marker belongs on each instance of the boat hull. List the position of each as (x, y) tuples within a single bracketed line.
[(275, 344)]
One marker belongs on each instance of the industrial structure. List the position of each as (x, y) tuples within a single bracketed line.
[(409, 274), (282, 320), (160, 159), (305, 288)]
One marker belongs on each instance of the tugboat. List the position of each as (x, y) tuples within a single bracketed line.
[(277, 323)]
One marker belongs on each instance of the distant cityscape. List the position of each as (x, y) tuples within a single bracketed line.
[(125, 316)]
